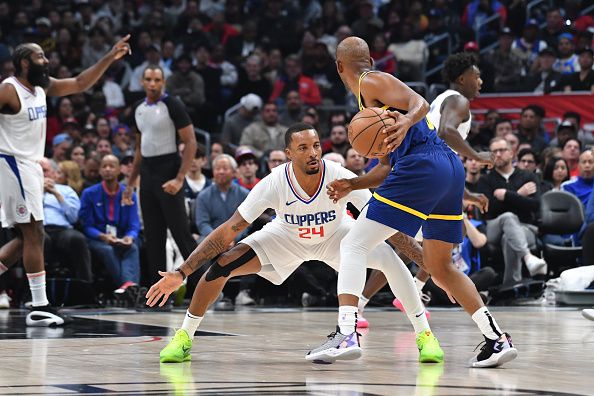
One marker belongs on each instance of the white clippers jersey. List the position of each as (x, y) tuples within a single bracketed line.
[(307, 220), (23, 134), (434, 114)]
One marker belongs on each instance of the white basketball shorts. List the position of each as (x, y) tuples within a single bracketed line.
[(21, 190)]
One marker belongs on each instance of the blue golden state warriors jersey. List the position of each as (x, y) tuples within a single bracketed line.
[(423, 132)]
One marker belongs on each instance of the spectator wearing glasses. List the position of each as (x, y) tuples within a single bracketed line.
[(513, 204), (275, 158)]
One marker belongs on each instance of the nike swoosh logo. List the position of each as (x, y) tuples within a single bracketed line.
[(290, 203), (419, 315), (498, 346), (185, 350)]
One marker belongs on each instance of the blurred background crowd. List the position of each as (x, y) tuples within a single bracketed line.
[(245, 70)]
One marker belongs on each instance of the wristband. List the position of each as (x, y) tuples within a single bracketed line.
[(178, 269)]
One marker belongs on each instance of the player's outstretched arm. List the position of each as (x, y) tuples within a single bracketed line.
[(340, 188), (455, 110), (214, 244), (88, 77)]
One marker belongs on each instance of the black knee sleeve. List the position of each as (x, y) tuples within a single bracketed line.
[(216, 270)]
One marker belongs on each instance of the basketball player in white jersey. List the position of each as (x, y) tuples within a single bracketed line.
[(450, 110), (308, 226), (23, 114)]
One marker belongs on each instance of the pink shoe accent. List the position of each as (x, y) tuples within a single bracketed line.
[(124, 286), (362, 323), (397, 304)]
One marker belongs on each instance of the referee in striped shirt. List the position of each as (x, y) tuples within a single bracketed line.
[(158, 119)]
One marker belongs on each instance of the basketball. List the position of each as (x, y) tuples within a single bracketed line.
[(365, 132)]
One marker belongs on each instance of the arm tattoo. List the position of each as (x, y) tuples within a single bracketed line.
[(409, 247), (212, 248), (239, 226)]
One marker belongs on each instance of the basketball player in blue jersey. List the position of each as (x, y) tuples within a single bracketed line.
[(23, 113), (308, 225), (450, 110), (420, 183)]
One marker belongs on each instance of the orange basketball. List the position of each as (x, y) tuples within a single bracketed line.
[(365, 132)]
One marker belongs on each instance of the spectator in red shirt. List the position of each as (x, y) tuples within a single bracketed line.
[(220, 30), (293, 80)]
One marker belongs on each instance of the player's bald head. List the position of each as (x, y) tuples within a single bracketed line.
[(352, 50)]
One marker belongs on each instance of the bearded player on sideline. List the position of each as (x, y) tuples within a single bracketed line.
[(308, 225), (23, 114)]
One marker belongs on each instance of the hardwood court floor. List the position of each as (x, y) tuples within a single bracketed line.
[(260, 352)]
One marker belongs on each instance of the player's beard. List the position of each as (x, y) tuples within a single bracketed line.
[(312, 171), (38, 75)]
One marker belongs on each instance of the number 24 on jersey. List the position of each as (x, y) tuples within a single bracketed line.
[(310, 232)]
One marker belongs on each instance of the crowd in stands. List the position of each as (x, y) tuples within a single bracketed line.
[(245, 70)]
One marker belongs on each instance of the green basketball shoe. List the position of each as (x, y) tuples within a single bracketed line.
[(429, 349), (178, 349)]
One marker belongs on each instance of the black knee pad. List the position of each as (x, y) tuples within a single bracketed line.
[(216, 270)]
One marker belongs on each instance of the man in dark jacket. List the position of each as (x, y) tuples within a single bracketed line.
[(513, 203), (542, 78)]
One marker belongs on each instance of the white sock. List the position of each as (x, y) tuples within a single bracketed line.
[(419, 321), (362, 303), (347, 319), (486, 323), (191, 323), (37, 286), (419, 284), (3, 268)]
